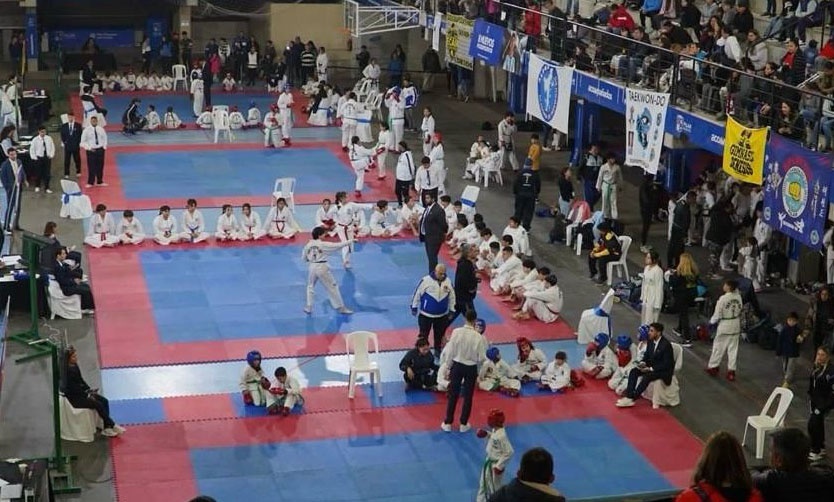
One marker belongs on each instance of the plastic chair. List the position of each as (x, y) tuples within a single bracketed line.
[(469, 198), (376, 106), (220, 122), (580, 237), (361, 89), (579, 212), (596, 320), (363, 126), (77, 424), (180, 73), (661, 394), (493, 167), (621, 264), (74, 204), (66, 307), (361, 359), (764, 422), (215, 108), (285, 187)]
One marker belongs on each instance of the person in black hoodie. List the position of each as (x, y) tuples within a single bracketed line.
[(788, 343), (648, 197), (820, 317), (80, 395), (418, 367), (532, 482), (466, 281), (821, 394), (681, 221), (790, 477), (719, 234)]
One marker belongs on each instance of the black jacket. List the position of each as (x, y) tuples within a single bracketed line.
[(516, 491), (72, 142), (527, 184), (821, 388), (661, 360), (434, 219), (418, 362), (431, 61), (75, 388), (812, 485), (720, 225), (682, 218), (466, 282), (65, 278)]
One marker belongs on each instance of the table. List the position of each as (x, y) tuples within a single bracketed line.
[(35, 109), (75, 61), (35, 479), (18, 292)]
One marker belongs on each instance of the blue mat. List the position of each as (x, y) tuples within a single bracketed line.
[(117, 103), (180, 175), (428, 465), (246, 292)]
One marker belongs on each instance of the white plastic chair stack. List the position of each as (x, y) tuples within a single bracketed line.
[(363, 126), (361, 89), (620, 265), (376, 106), (661, 394), (580, 212), (361, 361), (78, 424), (180, 73), (763, 423), (220, 122), (285, 187), (596, 320), (369, 100), (66, 307), (469, 199), (493, 168), (74, 204)]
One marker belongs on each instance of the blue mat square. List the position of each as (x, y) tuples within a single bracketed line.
[(319, 484), (255, 487), (216, 173), (137, 411), (394, 394), (228, 293), (182, 104)]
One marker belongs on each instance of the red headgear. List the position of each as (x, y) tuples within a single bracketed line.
[(437, 137), (496, 418), (591, 348), (623, 357)]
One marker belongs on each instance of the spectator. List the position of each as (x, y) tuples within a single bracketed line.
[(789, 123), (810, 107), (431, 65), (719, 234), (721, 474), (80, 395), (743, 20), (827, 123), (648, 201), (650, 9), (395, 69), (684, 282), (533, 21), (90, 46), (821, 393), (756, 50), (793, 64), (690, 16), (732, 49), (363, 57), (308, 63), (165, 55), (806, 17), (620, 18), (532, 482), (790, 477), (674, 33), (708, 11), (16, 52)]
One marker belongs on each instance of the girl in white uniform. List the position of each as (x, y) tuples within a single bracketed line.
[(193, 224), (499, 451), (315, 254), (205, 120), (557, 374), (102, 230), (236, 120), (285, 103), (197, 95), (228, 229), (152, 117), (272, 128), (531, 361), (250, 224), (130, 230), (497, 375), (280, 223), (345, 228), (171, 120), (360, 159), (326, 217), (382, 145), (438, 164), (379, 224), (287, 392), (427, 130), (165, 227)]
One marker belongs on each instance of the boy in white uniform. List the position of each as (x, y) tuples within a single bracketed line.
[(383, 139), (205, 120), (727, 316), (326, 217), (130, 229), (197, 95), (228, 229), (499, 451), (165, 227), (236, 120), (609, 182), (141, 82), (287, 392), (545, 304), (152, 117), (372, 72), (600, 361), (253, 115), (285, 103), (193, 224), (272, 128), (531, 361), (361, 159), (166, 83), (501, 277), (410, 214), (315, 254), (346, 215), (254, 386), (250, 224), (427, 130), (626, 361), (154, 83), (102, 230), (171, 120), (347, 111), (396, 113), (556, 375), (280, 223), (521, 243), (379, 221), (497, 375)]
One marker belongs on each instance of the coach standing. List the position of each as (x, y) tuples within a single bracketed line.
[(433, 228), (466, 281), (94, 142), (466, 350), (526, 188), (71, 141)]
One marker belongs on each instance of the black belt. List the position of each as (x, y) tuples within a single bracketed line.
[(320, 261)]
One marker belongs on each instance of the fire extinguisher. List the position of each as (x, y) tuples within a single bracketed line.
[(350, 43)]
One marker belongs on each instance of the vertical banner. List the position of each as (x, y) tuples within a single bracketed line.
[(513, 54), (458, 36), (155, 28), (796, 187), (645, 123), (32, 37), (435, 31), (744, 152), (548, 92), (487, 42)]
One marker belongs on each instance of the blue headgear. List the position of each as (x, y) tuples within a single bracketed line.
[(601, 340), (252, 104), (251, 356), (492, 354), (396, 89), (480, 326), (643, 333), (624, 342)]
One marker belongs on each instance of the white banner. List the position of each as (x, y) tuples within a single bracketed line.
[(458, 36), (645, 123), (548, 92), (435, 31)]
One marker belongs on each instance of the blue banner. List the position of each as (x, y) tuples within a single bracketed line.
[(796, 187), (599, 91), (73, 40), (32, 37), (487, 42), (155, 28), (704, 133)]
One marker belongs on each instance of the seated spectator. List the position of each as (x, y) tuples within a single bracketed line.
[(690, 16), (620, 18), (80, 395), (71, 282), (809, 110), (793, 64), (651, 9), (764, 95), (827, 123), (50, 232), (743, 20), (732, 49), (826, 54), (606, 250), (708, 11), (806, 17), (581, 60), (532, 482), (721, 474), (789, 123), (790, 477), (674, 33), (657, 363), (756, 50)]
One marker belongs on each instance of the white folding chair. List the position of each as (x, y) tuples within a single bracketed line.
[(77, 424), (469, 198), (492, 167), (361, 89), (661, 394), (215, 108), (66, 307), (74, 204), (64, 118), (180, 73), (579, 236), (285, 187), (361, 361), (578, 213), (763, 423), (221, 123), (369, 100), (376, 106), (621, 264)]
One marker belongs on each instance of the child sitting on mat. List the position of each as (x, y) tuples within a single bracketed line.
[(253, 384), (531, 361), (286, 391), (557, 374), (497, 375), (600, 361), (418, 367)]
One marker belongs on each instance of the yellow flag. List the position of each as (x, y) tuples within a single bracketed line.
[(744, 152)]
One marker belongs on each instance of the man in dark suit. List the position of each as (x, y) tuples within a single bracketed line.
[(71, 283), (208, 78), (13, 177), (71, 141), (433, 228), (466, 281), (658, 364)]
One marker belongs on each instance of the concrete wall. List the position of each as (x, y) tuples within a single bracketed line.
[(321, 23)]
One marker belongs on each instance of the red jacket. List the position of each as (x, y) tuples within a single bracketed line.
[(827, 50), (532, 23), (690, 495), (620, 18)]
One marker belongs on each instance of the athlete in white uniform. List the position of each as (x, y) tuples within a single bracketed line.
[(193, 224), (499, 451), (285, 103), (287, 392), (348, 112), (427, 130), (382, 142), (326, 217), (315, 254), (197, 95), (236, 119), (531, 361), (171, 120), (165, 227), (497, 376), (438, 164), (102, 230), (379, 223), (280, 223), (396, 113), (360, 159), (130, 230), (152, 120), (250, 224), (556, 375), (272, 128), (228, 228), (545, 304), (253, 115), (346, 229)]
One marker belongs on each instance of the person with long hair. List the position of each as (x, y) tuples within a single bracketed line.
[(821, 394), (721, 474), (50, 231), (80, 395), (684, 283), (6, 140), (819, 320)]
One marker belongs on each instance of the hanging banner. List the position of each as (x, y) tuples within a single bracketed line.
[(548, 92), (458, 37), (512, 58), (435, 32), (645, 122), (796, 187), (744, 152), (487, 42)]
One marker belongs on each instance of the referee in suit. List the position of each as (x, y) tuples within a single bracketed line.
[(71, 141), (433, 228)]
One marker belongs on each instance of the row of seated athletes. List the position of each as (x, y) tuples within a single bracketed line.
[(153, 81)]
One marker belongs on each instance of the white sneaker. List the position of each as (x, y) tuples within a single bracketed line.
[(109, 433), (102, 184), (88, 186), (48, 191), (465, 427), (446, 427), (308, 310), (345, 310), (816, 457), (37, 189), (119, 429), (625, 402)]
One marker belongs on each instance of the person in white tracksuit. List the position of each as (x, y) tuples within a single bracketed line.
[(165, 227), (427, 130), (272, 128), (396, 113), (102, 229), (250, 224), (315, 254), (651, 292), (360, 159), (609, 181), (545, 304), (437, 157), (287, 392), (556, 375), (348, 112), (727, 316), (285, 103), (499, 451), (531, 361), (197, 89), (130, 230)]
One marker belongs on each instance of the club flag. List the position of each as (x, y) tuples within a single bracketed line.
[(744, 152)]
